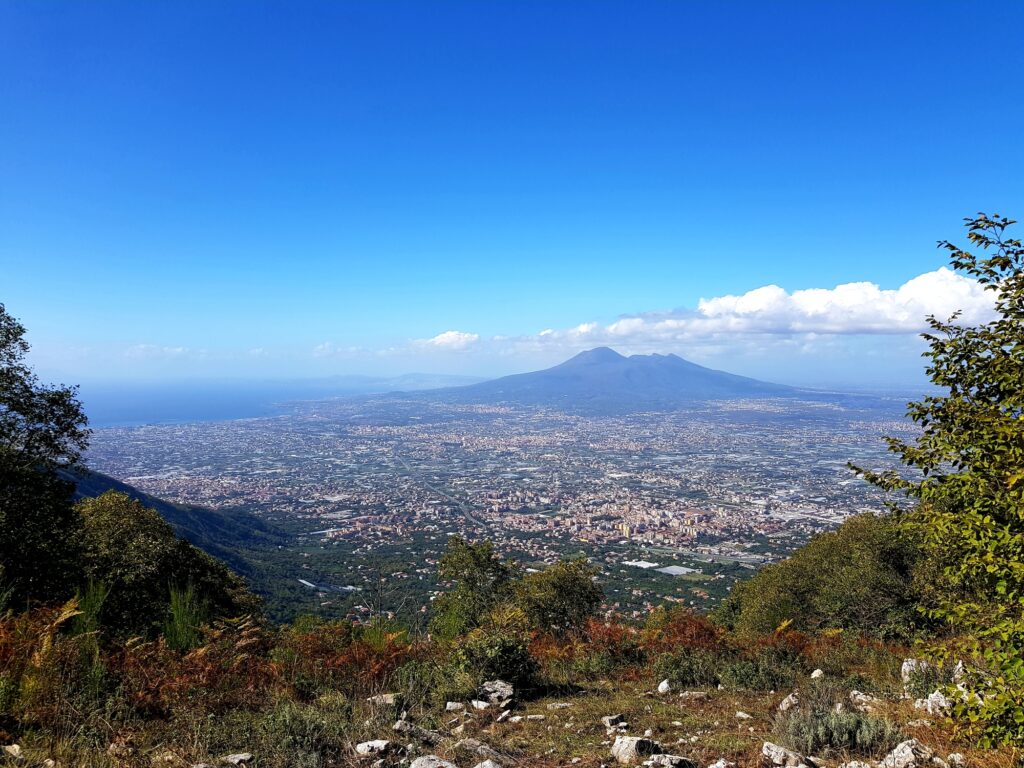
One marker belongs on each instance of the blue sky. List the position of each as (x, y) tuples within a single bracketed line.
[(306, 188)]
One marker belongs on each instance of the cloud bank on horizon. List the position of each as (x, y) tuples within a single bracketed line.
[(853, 332), (848, 309)]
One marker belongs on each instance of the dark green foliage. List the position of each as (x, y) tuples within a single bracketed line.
[(860, 576), (824, 722), (500, 648), (689, 667), (482, 580), (187, 614), (967, 485), (135, 552), (765, 667), (560, 598), (42, 428)]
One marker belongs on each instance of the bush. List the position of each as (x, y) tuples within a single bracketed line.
[(561, 598), (824, 722), (689, 667), (858, 577), (769, 665), (498, 649)]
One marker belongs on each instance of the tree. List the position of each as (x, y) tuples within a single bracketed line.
[(967, 478), (560, 598), (860, 577), (482, 580), (135, 553), (42, 429)]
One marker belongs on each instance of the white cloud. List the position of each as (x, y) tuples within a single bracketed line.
[(154, 352), (450, 340), (848, 309)]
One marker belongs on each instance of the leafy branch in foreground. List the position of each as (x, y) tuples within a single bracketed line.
[(968, 480)]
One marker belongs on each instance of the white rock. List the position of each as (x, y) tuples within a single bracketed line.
[(628, 749), (722, 763), (908, 754), (13, 751), (696, 695), (488, 763), (956, 760), (496, 692), (855, 764), (431, 761), (454, 706), (936, 704), (536, 718), (505, 715), (559, 705), (789, 702), (375, 747), (743, 716), (384, 699), (478, 704), (610, 721), (817, 674), (238, 758), (912, 667), (773, 754), (863, 702), (664, 687)]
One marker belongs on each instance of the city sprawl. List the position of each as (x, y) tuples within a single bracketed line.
[(672, 506)]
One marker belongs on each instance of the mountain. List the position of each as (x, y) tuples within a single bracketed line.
[(602, 380)]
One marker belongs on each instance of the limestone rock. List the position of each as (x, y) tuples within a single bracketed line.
[(431, 761), (384, 699), (611, 721), (628, 749), (497, 692), (664, 687), (912, 667), (239, 758), (817, 674), (863, 702), (375, 748), (454, 706), (477, 747), (908, 754), (13, 751), (789, 702), (775, 755), (424, 735)]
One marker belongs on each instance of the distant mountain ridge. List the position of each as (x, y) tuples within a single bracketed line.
[(601, 379)]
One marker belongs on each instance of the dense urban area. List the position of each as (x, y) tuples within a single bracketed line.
[(672, 506)]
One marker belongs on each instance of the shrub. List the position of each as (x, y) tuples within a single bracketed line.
[(768, 665), (824, 722), (688, 666), (858, 577), (561, 598), (498, 649)]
